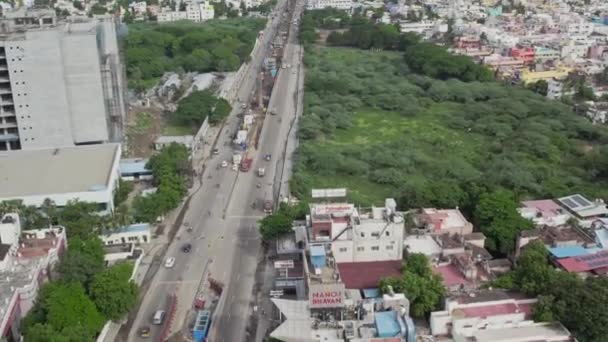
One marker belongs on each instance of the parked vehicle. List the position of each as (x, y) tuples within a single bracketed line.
[(261, 172), (224, 163), (186, 248), (170, 262), (159, 317), (246, 164), (216, 151), (236, 159), (267, 157)]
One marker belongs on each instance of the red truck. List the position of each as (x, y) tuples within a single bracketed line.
[(246, 164)]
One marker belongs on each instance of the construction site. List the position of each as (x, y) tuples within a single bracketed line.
[(254, 109)]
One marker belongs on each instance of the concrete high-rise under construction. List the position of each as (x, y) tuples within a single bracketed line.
[(61, 82)]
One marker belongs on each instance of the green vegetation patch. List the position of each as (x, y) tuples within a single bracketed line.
[(374, 126), (216, 45)]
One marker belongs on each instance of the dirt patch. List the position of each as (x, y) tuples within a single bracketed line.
[(144, 125)]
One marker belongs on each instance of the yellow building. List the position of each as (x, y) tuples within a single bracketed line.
[(533, 76)]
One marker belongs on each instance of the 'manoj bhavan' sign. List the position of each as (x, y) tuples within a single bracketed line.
[(326, 296)]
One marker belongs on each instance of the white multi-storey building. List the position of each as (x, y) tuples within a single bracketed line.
[(196, 12), (376, 235)]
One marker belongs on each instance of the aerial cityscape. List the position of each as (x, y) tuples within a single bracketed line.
[(304, 170)]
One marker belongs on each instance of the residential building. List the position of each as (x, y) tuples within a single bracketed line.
[(338, 4), (359, 235), (26, 261), (135, 169), (534, 76), (583, 208), (525, 54), (442, 221), (86, 173), (464, 315), (131, 234), (362, 320), (139, 7), (60, 82), (544, 213)]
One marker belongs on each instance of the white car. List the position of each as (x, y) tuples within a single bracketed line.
[(170, 262), (224, 163)]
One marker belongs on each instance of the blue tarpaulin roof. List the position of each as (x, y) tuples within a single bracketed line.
[(386, 324), (317, 250), (571, 251), (131, 166)]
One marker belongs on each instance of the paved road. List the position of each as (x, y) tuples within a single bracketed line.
[(224, 236), (237, 301)]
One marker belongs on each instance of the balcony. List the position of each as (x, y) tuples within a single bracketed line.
[(8, 125)]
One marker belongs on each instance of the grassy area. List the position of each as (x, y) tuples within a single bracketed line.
[(173, 129), (371, 125), (143, 122)]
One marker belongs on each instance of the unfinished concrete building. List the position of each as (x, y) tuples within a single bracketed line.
[(61, 83)]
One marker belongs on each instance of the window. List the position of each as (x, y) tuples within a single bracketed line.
[(375, 248), (388, 233), (362, 234), (342, 249), (376, 234), (360, 249), (389, 248)]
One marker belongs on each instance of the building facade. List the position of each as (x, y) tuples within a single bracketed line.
[(60, 82)]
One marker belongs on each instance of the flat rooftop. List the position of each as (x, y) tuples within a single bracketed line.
[(56, 171), (554, 332)]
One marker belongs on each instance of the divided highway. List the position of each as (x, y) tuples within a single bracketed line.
[(225, 235)]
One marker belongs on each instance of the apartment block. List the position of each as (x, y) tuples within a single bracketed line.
[(60, 82)]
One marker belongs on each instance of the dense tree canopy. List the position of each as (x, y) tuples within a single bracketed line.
[(497, 217), (170, 168), (63, 309), (421, 286), (194, 108), (112, 291), (218, 45), (279, 223), (83, 260)]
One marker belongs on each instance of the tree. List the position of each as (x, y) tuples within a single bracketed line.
[(193, 109), (83, 261), (497, 217), (533, 273), (40, 332), (421, 286), (122, 192), (113, 292), (273, 226), (78, 5), (80, 219), (540, 87), (66, 306)]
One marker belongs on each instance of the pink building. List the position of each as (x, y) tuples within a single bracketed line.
[(544, 213), (26, 259)]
